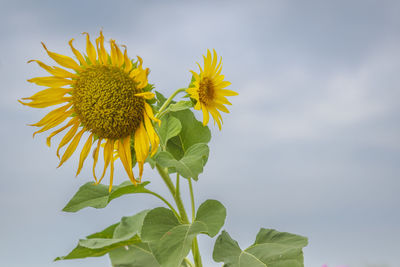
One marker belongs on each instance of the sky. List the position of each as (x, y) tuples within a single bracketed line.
[(311, 146)]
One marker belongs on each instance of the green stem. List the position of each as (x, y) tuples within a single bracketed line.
[(192, 200), (165, 176), (196, 253), (195, 245), (162, 199), (166, 103)]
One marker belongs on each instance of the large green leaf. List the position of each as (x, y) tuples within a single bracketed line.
[(190, 165), (192, 132), (169, 240), (121, 234), (170, 127), (98, 196), (271, 248), (213, 214)]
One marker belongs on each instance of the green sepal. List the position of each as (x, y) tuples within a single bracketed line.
[(124, 233), (271, 248), (98, 196), (190, 165)]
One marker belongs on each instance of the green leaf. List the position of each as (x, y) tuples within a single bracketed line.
[(170, 241), (192, 132), (136, 255), (271, 248), (121, 234), (98, 196), (170, 127), (190, 165), (212, 213), (181, 105)]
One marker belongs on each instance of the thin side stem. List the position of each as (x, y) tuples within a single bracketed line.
[(195, 245), (166, 103), (178, 201), (192, 200), (164, 200)]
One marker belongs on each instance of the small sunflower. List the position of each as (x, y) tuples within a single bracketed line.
[(208, 89), (105, 96)]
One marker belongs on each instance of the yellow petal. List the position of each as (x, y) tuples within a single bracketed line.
[(146, 95), (51, 81), (141, 147), (45, 103), (226, 92), (111, 176), (56, 71), (67, 137), (71, 148), (124, 152), (128, 62), (103, 53), (71, 122), (51, 93), (54, 123), (84, 153), (217, 117), (120, 57), (95, 158), (107, 154), (205, 114), (149, 112), (221, 107), (77, 54), (153, 137), (114, 56), (64, 61), (52, 115), (90, 50)]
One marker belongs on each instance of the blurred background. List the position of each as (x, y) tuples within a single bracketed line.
[(312, 144)]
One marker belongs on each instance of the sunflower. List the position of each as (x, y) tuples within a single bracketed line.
[(104, 96), (208, 90)]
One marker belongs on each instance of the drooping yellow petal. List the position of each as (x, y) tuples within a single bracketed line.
[(51, 81), (107, 154), (149, 112), (95, 158), (67, 137), (64, 61), (111, 176), (84, 153), (71, 122), (90, 50), (77, 54), (221, 107), (205, 114), (52, 115), (216, 116), (153, 137), (124, 153), (54, 123), (103, 56), (146, 95), (71, 148), (56, 71), (141, 147)]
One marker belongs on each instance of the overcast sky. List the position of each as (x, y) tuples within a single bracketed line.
[(312, 144)]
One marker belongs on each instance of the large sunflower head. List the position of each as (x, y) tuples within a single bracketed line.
[(104, 95), (208, 89)]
